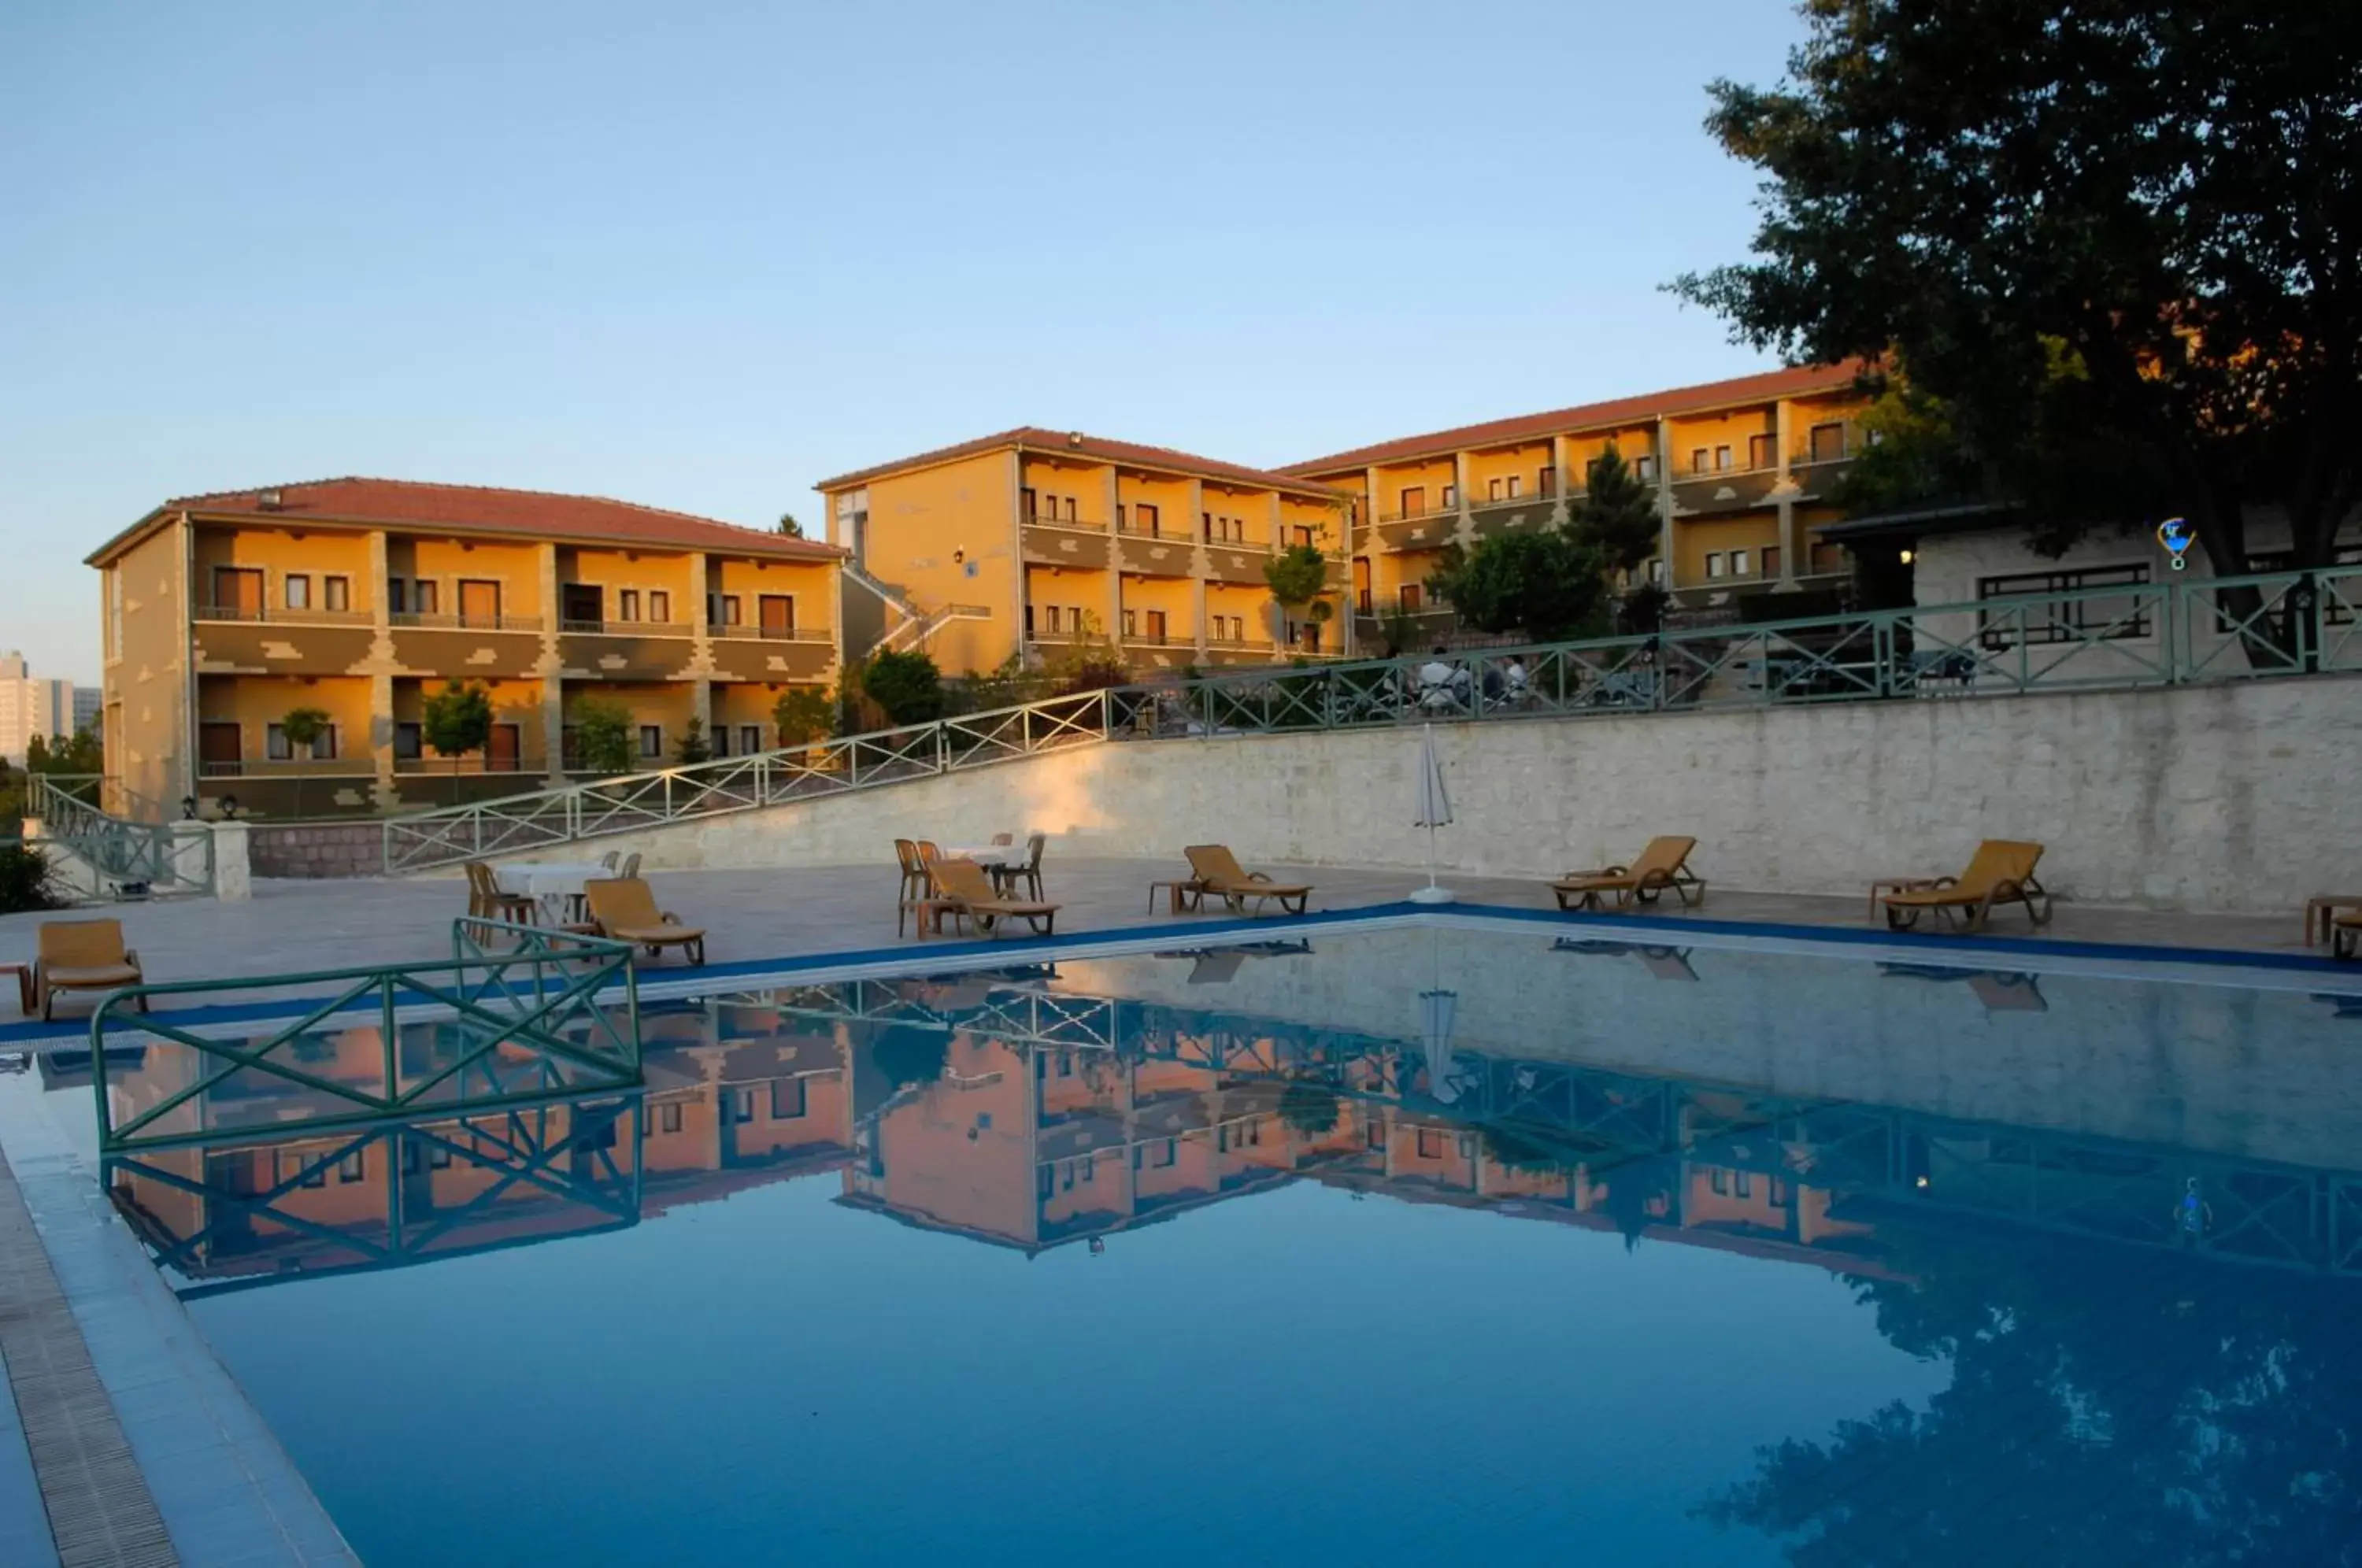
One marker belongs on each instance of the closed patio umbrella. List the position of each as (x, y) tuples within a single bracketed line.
[(1431, 809), (1435, 1009)]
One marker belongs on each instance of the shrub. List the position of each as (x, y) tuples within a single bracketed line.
[(28, 881), (693, 749), (602, 736), (803, 714), (906, 686)]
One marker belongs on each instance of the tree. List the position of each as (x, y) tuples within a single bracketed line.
[(79, 753), (907, 686), (789, 526), (2131, 229), (1296, 575), (691, 749), (456, 721), (1309, 1111), (302, 726), (603, 742), (803, 714), (1549, 585), (1618, 516)]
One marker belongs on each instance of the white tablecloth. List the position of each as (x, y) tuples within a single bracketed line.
[(553, 883), (987, 854)]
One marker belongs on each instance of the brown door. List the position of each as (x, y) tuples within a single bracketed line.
[(1414, 500), (239, 590), (218, 748), (779, 612), (504, 751), (1144, 518), (1362, 586), (586, 606), (1411, 596), (480, 602), (1156, 626)]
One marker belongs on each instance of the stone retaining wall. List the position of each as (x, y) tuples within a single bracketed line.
[(320, 849), (2225, 797)]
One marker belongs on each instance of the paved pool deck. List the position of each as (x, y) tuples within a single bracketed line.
[(125, 1442)]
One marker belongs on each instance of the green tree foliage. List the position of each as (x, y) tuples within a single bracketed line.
[(456, 721), (906, 686), (804, 715), (789, 526), (26, 880), (691, 748), (603, 742), (1550, 586), (1296, 575), (1308, 1109), (2118, 241), (1618, 514), (302, 726), (79, 753)]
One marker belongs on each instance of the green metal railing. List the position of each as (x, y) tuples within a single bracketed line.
[(2173, 632), (515, 1017), (124, 857)]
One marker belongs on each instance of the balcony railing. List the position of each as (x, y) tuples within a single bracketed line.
[(288, 768), (777, 633), (1420, 516), (1178, 536), (283, 617), (1086, 524), (465, 622), (627, 628)]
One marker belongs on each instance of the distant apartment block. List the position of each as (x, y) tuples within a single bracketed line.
[(362, 597), (1743, 471), (88, 702), (1036, 541), (30, 707)]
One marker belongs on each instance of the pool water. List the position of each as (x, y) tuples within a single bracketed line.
[(1425, 1245)]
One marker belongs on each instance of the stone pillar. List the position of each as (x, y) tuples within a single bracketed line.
[(233, 865), (1020, 589), (1791, 546), (1200, 564), (382, 664), (550, 669), (1561, 509), (701, 643), (1278, 611), (1115, 563), (1464, 529), (1665, 500)]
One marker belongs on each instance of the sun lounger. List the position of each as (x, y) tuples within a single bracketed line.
[(2345, 936), (82, 956), (1216, 870), (2000, 872), (1660, 867), (963, 890), (624, 910)]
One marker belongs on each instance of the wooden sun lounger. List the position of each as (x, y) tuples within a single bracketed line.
[(1663, 867), (624, 910), (82, 956), (2345, 936), (2000, 872), (1214, 869), (964, 891)]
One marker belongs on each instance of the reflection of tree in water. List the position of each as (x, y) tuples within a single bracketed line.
[(1308, 1109), (906, 1054), (2106, 1407)]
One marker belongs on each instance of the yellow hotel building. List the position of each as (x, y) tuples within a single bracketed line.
[(1743, 470), (1033, 541), (359, 597)]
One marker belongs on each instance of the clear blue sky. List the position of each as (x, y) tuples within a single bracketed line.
[(703, 255)]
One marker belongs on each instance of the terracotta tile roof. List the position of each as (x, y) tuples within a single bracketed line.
[(1589, 415), (1075, 444), (407, 503)]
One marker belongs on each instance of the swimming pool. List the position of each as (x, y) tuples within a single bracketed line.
[(1454, 1241)]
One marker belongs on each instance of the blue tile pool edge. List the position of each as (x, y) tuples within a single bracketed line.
[(232, 1495), (664, 980)]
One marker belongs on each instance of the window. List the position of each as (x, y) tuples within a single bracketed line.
[(1657, 572), (1762, 452), (313, 1174), (1714, 563), (1130, 623), (1644, 468), (1721, 1182), (721, 743), (1156, 1156), (1738, 563), (423, 599), (1070, 510), (1304, 536), (1722, 459), (1375, 1135), (787, 1098), (1450, 496), (1771, 560), (585, 605), (438, 1157), (722, 609), (668, 1116), (1829, 442), (1028, 503), (652, 741), (1699, 458), (409, 742), (297, 587), (397, 596), (2066, 620), (1429, 1143), (323, 746), (335, 593), (353, 1166), (1145, 517), (1546, 482), (1779, 1190), (1413, 501), (750, 739), (659, 606), (1052, 615), (1743, 1183), (627, 604), (1493, 490), (1409, 593), (275, 746)]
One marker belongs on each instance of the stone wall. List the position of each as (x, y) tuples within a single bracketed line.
[(2228, 797), (322, 849)]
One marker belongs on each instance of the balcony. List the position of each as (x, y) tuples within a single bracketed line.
[(496, 647), (229, 641), (1731, 490), (774, 653), (1155, 554), (1431, 532), (1240, 564), (621, 650), (1084, 547), (281, 617), (1421, 514), (290, 767)]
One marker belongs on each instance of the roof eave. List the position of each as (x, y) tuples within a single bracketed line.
[(818, 551)]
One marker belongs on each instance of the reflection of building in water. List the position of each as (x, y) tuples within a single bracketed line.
[(737, 1095)]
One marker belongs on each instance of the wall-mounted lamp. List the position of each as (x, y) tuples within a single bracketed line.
[(188, 808), (1907, 557), (958, 556)]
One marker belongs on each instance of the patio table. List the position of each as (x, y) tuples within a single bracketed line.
[(987, 855), (555, 884)]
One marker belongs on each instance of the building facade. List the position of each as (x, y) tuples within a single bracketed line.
[(1035, 543), (361, 597), (1743, 470), (29, 707)]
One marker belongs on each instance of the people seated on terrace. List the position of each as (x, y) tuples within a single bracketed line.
[(1514, 687), (1442, 685)]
